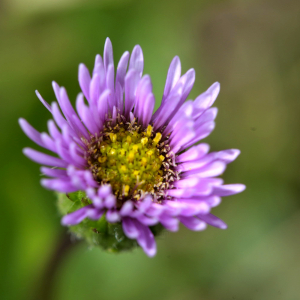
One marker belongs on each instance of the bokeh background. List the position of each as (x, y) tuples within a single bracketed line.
[(252, 47)]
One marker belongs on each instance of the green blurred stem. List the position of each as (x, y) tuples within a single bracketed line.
[(46, 283)]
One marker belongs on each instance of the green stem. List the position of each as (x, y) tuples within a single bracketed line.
[(46, 285)]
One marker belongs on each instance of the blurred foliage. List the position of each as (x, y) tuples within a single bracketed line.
[(253, 49)]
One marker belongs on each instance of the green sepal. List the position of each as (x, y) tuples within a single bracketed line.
[(109, 236)]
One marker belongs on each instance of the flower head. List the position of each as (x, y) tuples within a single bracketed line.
[(121, 167)]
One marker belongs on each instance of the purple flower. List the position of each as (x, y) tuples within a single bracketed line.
[(136, 168)]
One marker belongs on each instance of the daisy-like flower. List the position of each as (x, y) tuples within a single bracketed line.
[(122, 170)]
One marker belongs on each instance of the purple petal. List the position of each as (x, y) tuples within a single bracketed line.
[(187, 183), (108, 54), (94, 89), (173, 100), (104, 191), (148, 110), (110, 84), (59, 185), (183, 137), (212, 220), (146, 239), (112, 216), (84, 79), (193, 207), (130, 228), (189, 82), (228, 155), (131, 82), (122, 68), (86, 115), (173, 76), (63, 152), (44, 102), (94, 214), (192, 223), (197, 164), (91, 194), (110, 201), (172, 224), (200, 133), (137, 60), (147, 220), (54, 132), (184, 113), (229, 189), (208, 116), (48, 142), (76, 217), (32, 133), (127, 208), (98, 64), (58, 117), (145, 204), (44, 159), (205, 100), (193, 153), (102, 105), (155, 210), (73, 150), (144, 89), (200, 190), (215, 168), (54, 172)]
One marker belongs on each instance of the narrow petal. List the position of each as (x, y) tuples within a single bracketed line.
[(76, 217), (122, 68), (213, 169), (168, 110), (59, 173), (131, 82), (48, 142), (193, 153), (173, 76), (98, 64), (44, 159), (212, 220), (127, 208), (110, 85), (32, 133), (171, 223), (130, 228), (206, 99), (200, 133), (86, 115), (137, 60), (59, 185), (94, 90), (192, 223), (108, 54), (229, 189), (146, 239), (44, 102), (229, 155), (112, 216), (58, 117), (84, 79)]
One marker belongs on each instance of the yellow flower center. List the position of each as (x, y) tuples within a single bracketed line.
[(129, 160)]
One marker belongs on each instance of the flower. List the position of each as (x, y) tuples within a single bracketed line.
[(128, 166)]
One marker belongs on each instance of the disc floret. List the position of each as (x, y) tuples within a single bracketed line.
[(129, 159)]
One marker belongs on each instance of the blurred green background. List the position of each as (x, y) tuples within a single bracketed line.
[(253, 49)]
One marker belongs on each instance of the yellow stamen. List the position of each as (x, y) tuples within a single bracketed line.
[(157, 138)]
